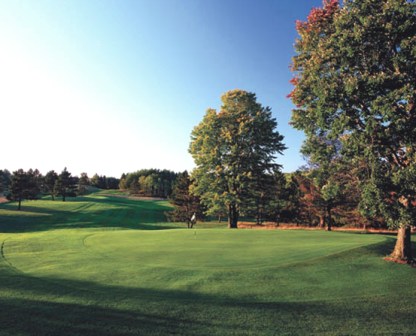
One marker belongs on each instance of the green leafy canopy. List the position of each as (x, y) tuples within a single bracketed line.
[(232, 148), (355, 81)]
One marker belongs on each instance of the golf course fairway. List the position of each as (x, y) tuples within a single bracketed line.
[(115, 268)]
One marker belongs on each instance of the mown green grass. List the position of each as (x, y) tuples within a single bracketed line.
[(93, 211), (96, 266)]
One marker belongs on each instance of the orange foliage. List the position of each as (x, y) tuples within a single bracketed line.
[(318, 16)]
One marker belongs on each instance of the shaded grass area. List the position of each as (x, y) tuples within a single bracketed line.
[(49, 305)]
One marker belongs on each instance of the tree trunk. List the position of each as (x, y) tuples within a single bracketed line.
[(403, 248), (277, 219), (258, 212), (329, 226), (321, 221), (20, 202), (232, 216)]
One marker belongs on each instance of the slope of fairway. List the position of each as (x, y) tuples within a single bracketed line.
[(93, 211), (95, 266)]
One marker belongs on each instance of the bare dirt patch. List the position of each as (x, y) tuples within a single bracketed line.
[(400, 261), (274, 226), (137, 198)]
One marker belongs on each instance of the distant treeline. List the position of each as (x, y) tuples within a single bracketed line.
[(31, 184), (149, 182), (286, 198), (297, 198)]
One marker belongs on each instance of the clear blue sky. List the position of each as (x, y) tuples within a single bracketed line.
[(113, 86)]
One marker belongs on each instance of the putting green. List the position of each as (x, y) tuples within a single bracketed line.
[(131, 256), (217, 249)]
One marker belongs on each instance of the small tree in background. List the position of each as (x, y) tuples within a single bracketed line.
[(113, 183), (186, 204), (96, 181), (49, 182), (65, 185), (266, 201), (5, 180), (324, 159), (83, 183), (122, 183), (289, 208), (23, 186), (36, 181)]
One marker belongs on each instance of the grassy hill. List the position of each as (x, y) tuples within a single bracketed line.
[(92, 211), (103, 265)]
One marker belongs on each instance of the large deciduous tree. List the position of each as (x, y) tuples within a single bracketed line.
[(232, 149), (355, 81)]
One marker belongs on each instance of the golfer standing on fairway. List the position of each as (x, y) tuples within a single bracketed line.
[(193, 219)]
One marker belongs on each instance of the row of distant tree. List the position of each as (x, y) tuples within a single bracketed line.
[(306, 197), (30, 185), (302, 198), (149, 182)]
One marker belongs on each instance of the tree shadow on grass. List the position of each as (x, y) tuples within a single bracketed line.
[(49, 306), (86, 212), (56, 306), (52, 306)]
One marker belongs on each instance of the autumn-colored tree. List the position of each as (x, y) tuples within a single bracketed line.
[(328, 199), (231, 149), (355, 81), (311, 210)]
